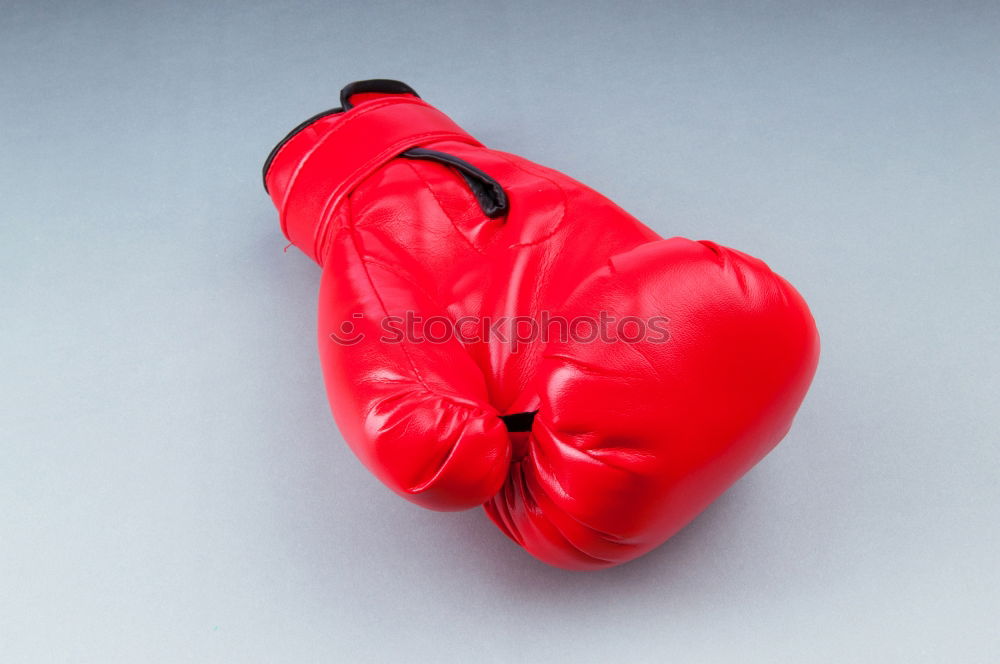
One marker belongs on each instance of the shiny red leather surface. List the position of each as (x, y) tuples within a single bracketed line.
[(632, 439)]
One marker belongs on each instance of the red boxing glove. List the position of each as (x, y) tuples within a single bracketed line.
[(495, 333)]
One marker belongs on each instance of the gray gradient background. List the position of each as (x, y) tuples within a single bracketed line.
[(172, 487)]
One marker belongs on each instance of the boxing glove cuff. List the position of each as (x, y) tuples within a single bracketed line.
[(311, 172)]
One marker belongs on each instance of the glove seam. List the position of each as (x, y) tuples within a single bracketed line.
[(562, 192), (355, 241), (484, 407), (409, 280), (437, 200)]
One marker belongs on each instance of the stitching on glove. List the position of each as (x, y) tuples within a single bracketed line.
[(447, 214)]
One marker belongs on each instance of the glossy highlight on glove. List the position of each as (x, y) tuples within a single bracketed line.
[(586, 452)]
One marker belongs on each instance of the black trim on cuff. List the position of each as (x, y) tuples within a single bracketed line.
[(289, 136), (384, 85)]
